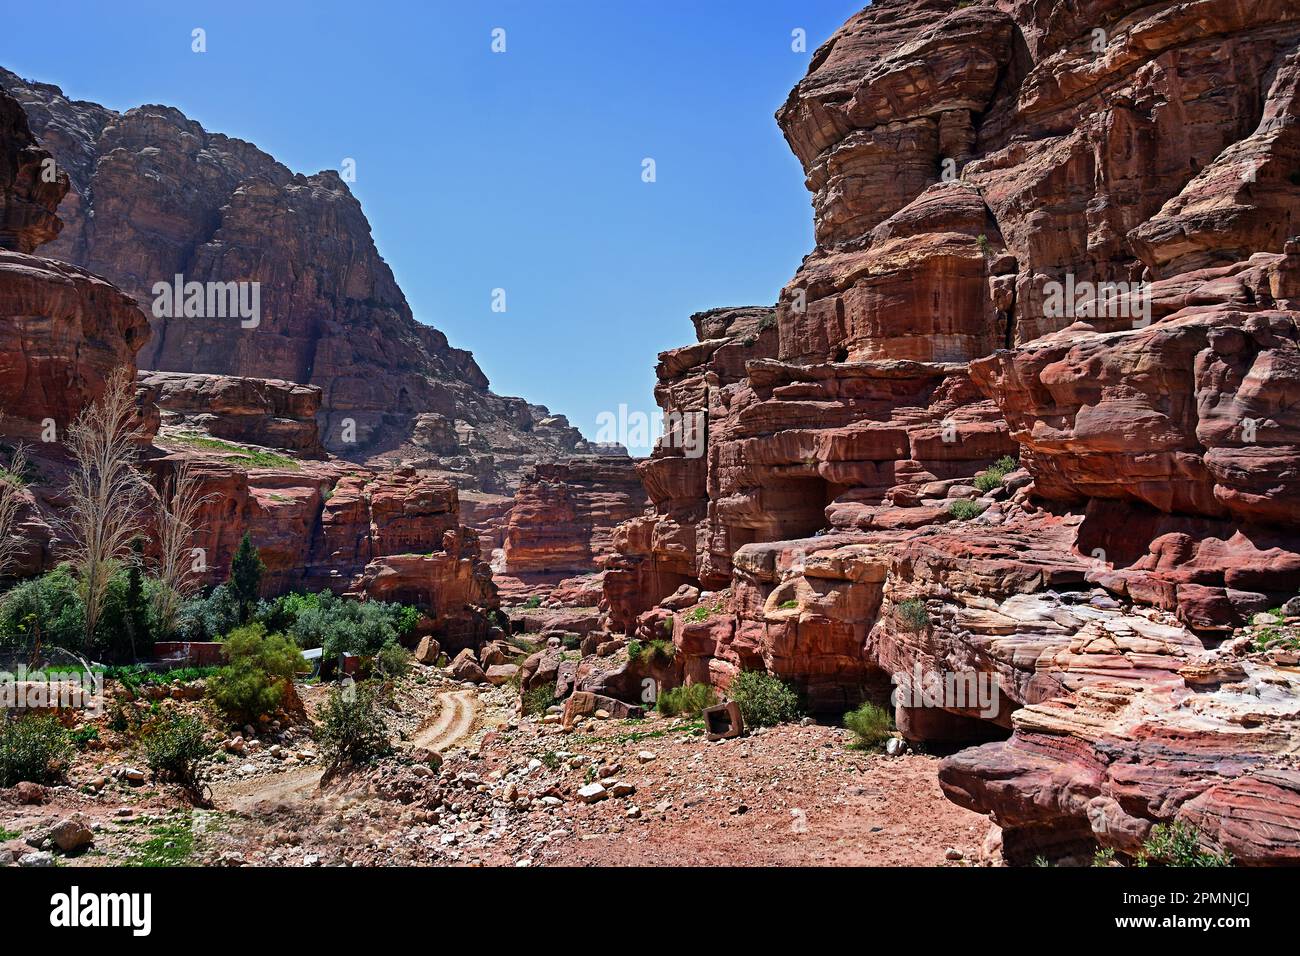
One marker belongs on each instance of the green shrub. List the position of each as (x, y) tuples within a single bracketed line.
[(533, 602), (259, 667), (688, 699), (634, 649), (351, 730), (1178, 844), (536, 701), (788, 605), (46, 609), (912, 614), (764, 700), (207, 618), (336, 624), (175, 748), (871, 725), (701, 612), (33, 747), (992, 477), (84, 735), (964, 510), (393, 661)]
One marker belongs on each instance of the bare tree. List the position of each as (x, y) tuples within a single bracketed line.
[(11, 502), (106, 492), (178, 511)]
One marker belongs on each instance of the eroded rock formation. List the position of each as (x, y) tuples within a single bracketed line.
[(1059, 233)]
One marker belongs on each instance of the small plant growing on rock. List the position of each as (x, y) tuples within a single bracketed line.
[(764, 700), (993, 476), (912, 614), (963, 510), (688, 700), (352, 729), (871, 726), (34, 747), (533, 602), (176, 748), (1178, 844), (535, 701)]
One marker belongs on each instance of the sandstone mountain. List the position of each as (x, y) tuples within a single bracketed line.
[(153, 195)]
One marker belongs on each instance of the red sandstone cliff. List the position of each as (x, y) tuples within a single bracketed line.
[(963, 158)]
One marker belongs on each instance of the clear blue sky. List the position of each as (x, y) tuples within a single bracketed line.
[(519, 170)]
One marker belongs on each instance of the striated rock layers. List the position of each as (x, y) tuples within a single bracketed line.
[(1059, 234), (154, 196)]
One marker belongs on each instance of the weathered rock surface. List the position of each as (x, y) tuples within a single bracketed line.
[(561, 522), (969, 164), (267, 412)]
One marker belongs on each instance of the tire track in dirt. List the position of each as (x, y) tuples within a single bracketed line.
[(455, 720)]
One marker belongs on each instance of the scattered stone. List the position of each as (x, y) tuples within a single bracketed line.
[(592, 792)]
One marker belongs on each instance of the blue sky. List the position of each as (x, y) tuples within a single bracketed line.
[(520, 171)]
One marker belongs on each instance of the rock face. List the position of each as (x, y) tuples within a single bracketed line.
[(1038, 235), (31, 186), (154, 196), (271, 413), (564, 514), (62, 330)]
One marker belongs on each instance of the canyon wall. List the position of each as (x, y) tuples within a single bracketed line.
[(1056, 240)]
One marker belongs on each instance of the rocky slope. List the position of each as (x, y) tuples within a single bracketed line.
[(974, 168), (153, 195)]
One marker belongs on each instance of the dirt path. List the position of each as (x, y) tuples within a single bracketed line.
[(455, 720), (241, 796)]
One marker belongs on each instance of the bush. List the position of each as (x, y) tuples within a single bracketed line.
[(47, 609), (992, 477), (176, 747), (912, 615), (337, 624), (764, 700), (393, 661), (536, 701), (208, 618), (533, 602), (1178, 844), (689, 700), (964, 510), (352, 729), (34, 747), (871, 725), (259, 667)]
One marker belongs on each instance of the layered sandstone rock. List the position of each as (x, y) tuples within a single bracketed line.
[(1037, 229), (63, 331), (265, 412), (31, 186), (154, 196), (564, 514)]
